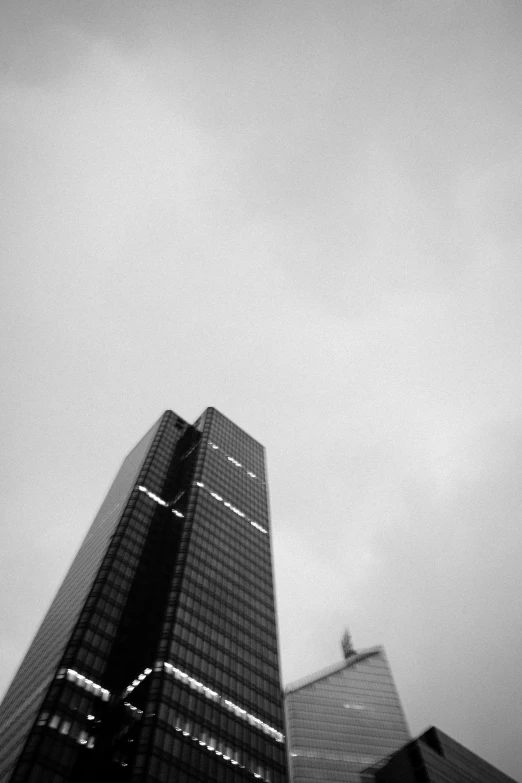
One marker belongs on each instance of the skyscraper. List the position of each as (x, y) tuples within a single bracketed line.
[(343, 718), (158, 659), (434, 757)]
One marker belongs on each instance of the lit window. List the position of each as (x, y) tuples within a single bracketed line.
[(88, 685), (152, 496), (210, 694)]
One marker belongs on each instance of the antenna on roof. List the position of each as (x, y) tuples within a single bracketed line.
[(347, 645)]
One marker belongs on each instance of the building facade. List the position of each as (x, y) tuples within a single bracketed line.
[(343, 718), (434, 758), (158, 659)]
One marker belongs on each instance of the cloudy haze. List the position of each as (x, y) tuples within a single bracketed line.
[(308, 215)]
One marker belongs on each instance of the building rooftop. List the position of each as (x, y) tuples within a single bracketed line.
[(351, 660)]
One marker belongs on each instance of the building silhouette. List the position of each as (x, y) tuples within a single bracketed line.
[(158, 659), (434, 757), (343, 718)]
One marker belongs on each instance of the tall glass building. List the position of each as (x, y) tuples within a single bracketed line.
[(158, 659), (343, 718)]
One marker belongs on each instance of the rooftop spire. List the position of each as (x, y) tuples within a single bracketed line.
[(347, 645)]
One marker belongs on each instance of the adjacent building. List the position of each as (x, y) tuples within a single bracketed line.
[(158, 659), (343, 718), (434, 758)]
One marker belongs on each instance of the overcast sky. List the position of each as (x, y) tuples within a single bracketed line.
[(308, 215)]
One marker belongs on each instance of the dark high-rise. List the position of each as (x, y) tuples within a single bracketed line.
[(434, 757), (158, 658)]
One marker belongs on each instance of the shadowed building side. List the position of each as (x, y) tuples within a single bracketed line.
[(32, 681), (434, 757)]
